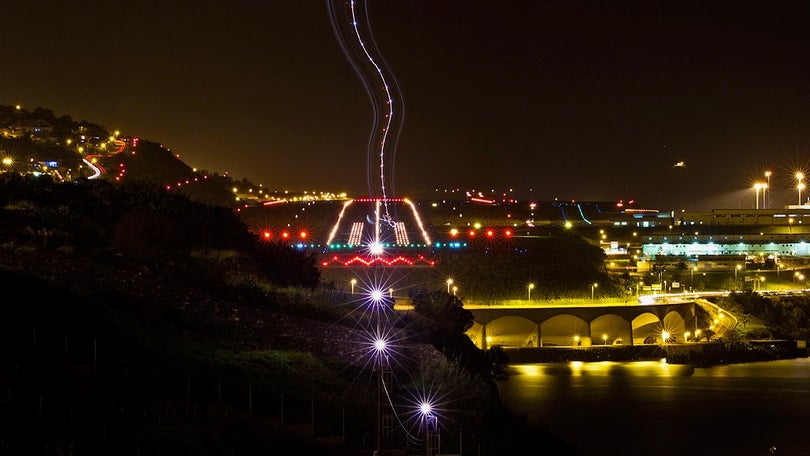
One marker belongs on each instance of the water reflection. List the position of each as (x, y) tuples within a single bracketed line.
[(656, 408), (577, 368)]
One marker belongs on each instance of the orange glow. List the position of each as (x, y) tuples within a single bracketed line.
[(266, 234), (471, 233), (303, 235), (285, 234), (454, 232), (507, 233), (490, 233)]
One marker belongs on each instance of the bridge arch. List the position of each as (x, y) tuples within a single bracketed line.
[(649, 327), (506, 331), (566, 330), (610, 329), (521, 326)]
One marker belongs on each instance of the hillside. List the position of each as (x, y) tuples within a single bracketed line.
[(137, 320), (40, 142)]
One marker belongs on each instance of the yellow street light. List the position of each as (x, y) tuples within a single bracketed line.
[(767, 186), (604, 339), (757, 187), (664, 336), (576, 340), (530, 287), (449, 282), (353, 283), (455, 290), (593, 287)]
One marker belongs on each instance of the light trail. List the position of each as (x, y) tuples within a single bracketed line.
[(96, 169), (361, 54)]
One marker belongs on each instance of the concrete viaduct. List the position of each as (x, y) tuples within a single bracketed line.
[(582, 325)]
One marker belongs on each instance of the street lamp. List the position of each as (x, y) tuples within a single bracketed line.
[(353, 283), (767, 187), (664, 336), (800, 187), (737, 268), (757, 187), (455, 289), (449, 282), (593, 286), (604, 339), (530, 287), (576, 341), (431, 428)]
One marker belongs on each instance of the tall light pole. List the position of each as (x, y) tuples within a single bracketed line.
[(757, 187), (767, 187), (353, 283), (764, 190), (431, 429), (449, 282), (593, 287), (530, 287), (800, 185)]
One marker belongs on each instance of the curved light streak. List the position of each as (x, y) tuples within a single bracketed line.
[(389, 101), (96, 169), (356, 49), (582, 214)]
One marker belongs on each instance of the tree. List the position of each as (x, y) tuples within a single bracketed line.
[(445, 311), (447, 323)]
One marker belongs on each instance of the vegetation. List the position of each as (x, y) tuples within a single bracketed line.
[(770, 317), (146, 322)]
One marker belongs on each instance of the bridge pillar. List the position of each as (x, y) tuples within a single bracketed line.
[(484, 344), (538, 336)]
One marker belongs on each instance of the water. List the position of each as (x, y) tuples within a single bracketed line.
[(654, 408)]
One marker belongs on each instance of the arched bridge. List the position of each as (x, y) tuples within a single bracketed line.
[(583, 325)]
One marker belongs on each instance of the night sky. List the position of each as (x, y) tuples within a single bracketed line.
[(585, 100)]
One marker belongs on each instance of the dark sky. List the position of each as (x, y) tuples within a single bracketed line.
[(571, 99)]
